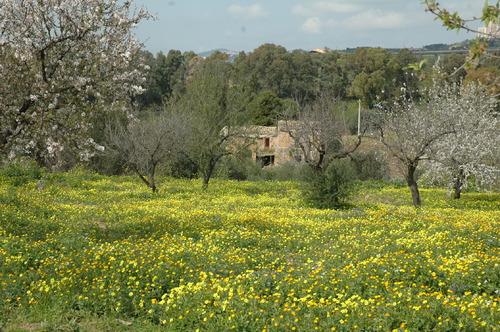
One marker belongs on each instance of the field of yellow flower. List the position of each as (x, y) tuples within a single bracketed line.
[(96, 253)]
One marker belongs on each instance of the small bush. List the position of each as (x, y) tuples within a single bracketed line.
[(370, 166), (108, 164), (21, 172), (182, 169), (290, 171), (331, 188), (233, 168)]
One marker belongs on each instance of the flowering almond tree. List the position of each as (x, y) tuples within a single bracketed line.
[(471, 151), (61, 61), (410, 127)]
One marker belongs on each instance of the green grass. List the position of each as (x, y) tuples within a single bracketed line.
[(95, 253)]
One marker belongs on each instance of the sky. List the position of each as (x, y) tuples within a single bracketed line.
[(238, 25)]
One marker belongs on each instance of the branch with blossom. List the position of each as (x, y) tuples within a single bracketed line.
[(453, 21), (62, 62)]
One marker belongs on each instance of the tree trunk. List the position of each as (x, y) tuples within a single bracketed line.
[(206, 179), (457, 186), (151, 176), (207, 174), (147, 182), (412, 183)]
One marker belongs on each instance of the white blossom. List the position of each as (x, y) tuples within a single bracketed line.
[(137, 89), (472, 150), (50, 92)]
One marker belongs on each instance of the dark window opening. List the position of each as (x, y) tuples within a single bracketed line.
[(266, 160), (266, 142)]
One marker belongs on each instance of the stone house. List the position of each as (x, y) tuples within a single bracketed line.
[(273, 146)]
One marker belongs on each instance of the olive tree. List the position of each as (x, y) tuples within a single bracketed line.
[(61, 61), (320, 135), (209, 115)]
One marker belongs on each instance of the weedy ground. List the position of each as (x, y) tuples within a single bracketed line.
[(96, 253)]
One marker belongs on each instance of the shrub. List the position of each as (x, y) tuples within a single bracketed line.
[(21, 172), (182, 169), (289, 171), (370, 166), (107, 164), (331, 188), (233, 168)]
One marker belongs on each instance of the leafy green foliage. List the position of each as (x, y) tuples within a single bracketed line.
[(454, 21), (21, 172), (264, 110), (375, 71), (370, 165), (331, 188)]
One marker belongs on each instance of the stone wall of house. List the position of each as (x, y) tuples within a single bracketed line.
[(273, 144), (269, 145)]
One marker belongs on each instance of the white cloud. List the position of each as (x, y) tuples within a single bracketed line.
[(335, 7), (300, 10), (323, 14), (312, 25), (322, 8), (377, 19), (248, 12)]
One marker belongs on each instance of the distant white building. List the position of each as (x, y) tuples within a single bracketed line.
[(318, 50), (492, 31)]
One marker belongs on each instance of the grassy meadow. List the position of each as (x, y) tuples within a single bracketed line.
[(95, 253)]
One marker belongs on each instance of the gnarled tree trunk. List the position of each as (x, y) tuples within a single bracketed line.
[(412, 183), (457, 185)]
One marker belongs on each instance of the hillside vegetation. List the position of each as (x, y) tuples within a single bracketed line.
[(84, 252)]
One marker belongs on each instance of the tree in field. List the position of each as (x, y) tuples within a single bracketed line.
[(373, 73), (265, 108), (410, 127), (266, 68), (319, 132), (303, 82), (272, 68), (144, 144), (61, 61), (410, 71), (470, 152), (209, 115), (331, 75)]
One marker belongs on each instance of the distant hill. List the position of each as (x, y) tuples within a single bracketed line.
[(437, 49), (232, 54)]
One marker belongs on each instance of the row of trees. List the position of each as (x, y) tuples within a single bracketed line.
[(77, 83), (431, 120), (194, 131), (449, 132), (271, 72)]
